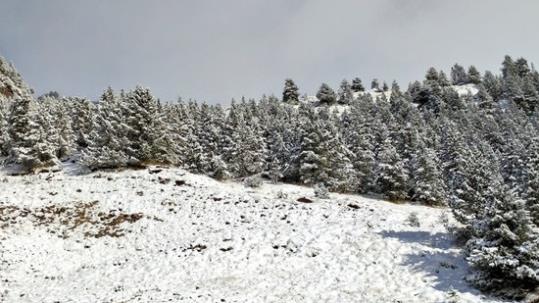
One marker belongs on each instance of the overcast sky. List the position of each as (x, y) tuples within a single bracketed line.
[(216, 50)]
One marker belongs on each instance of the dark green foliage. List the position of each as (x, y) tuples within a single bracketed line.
[(326, 95), (357, 86), (290, 92)]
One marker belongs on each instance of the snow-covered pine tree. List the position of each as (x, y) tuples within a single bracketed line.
[(391, 175), (219, 168), (28, 147), (357, 85), (429, 97), (148, 138), (504, 245), (178, 125), (470, 172), (483, 98), (474, 76), (532, 180), (57, 126), (108, 141), (4, 138), (530, 96), (247, 152), (12, 86), (513, 164), (207, 127), (432, 75), (459, 75), (323, 158), (493, 85), (522, 67), (509, 67), (443, 80), (277, 153), (290, 91), (326, 95), (375, 85), (344, 95), (428, 186), (359, 139), (512, 89), (82, 117), (395, 90)]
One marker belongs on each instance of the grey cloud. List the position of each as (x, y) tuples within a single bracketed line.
[(216, 50)]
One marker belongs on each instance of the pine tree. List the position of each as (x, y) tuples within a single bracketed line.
[(512, 89), (532, 180), (326, 95), (219, 169), (443, 80), (359, 139), (148, 139), (432, 76), (530, 95), (28, 146), (474, 76), (385, 87), (493, 85), (290, 92), (323, 159), (509, 68), (82, 117), (57, 126), (4, 138), (12, 86), (522, 67), (108, 140), (395, 89), (344, 95), (483, 98), (357, 86), (375, 85), (470, 171), (277, 154), (391, 175), (429, 187), (248, 149), (459, 75), (505, 243)]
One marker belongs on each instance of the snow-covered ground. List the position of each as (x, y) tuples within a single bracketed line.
[(171, 236), (466, 89)]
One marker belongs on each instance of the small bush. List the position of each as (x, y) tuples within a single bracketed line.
[(413, 220), (444, 220), (282, 195), (321, 192), (253, 181)]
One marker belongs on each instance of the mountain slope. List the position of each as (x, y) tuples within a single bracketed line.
[(156, 236)]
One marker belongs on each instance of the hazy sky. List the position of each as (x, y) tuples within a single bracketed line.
[(216, 50)]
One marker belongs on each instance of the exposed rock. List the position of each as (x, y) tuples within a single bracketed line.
[(304, 200)]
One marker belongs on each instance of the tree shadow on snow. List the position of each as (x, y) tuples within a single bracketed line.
[(439, 259), (425, 238)]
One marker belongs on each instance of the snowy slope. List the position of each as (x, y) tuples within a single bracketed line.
[(133, 236)]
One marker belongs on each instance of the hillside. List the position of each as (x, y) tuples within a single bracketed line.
[(160, 236)]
